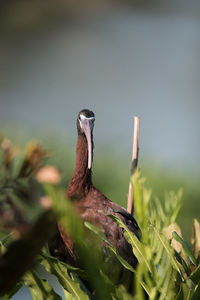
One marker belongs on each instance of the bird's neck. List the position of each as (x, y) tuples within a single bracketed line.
[(81, 180)]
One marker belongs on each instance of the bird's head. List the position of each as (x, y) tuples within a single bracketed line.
[(85, 124)]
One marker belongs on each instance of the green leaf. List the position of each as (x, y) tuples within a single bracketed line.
[(182, 292), (185, 246), (65, 265), (196, 293), (98, 231), (158, 253), (39, 288), (182, 262), (67, 295), (173, 205), (60, 271), (5, 238), (2, 248), (169, 251), (195, 276), (113, 249), (166, 293), (122, 294), (138, 248), (140, 286)]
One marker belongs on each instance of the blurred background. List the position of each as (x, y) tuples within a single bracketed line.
[(119, 59)]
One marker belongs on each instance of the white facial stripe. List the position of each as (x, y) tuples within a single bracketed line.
[(85, 118)]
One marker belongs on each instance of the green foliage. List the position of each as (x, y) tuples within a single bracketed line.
[(69, 282), (168, 267), (168, 276), (39, 288)]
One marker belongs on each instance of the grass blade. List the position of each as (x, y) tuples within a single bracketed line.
[(186, 248), (138, 249), (195, 276), (61, 272), (97, 231), (169, 251), (39, 288)]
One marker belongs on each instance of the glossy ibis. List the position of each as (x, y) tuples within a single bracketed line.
[(92, 205)]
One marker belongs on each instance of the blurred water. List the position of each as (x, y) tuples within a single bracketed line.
[(119, 65)]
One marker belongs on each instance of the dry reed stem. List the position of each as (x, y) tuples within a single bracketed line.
[(135, 153)]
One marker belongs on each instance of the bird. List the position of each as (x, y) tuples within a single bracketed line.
[(92, 205)]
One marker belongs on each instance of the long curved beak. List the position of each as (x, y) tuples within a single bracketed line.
[(87, 130)]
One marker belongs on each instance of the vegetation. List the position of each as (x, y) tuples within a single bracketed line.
[(33, 200)]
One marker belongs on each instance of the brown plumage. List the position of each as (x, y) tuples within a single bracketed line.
[(92, 205)]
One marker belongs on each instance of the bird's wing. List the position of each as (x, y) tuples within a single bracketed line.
[(126, 217), (100, 215), (100, 218)]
